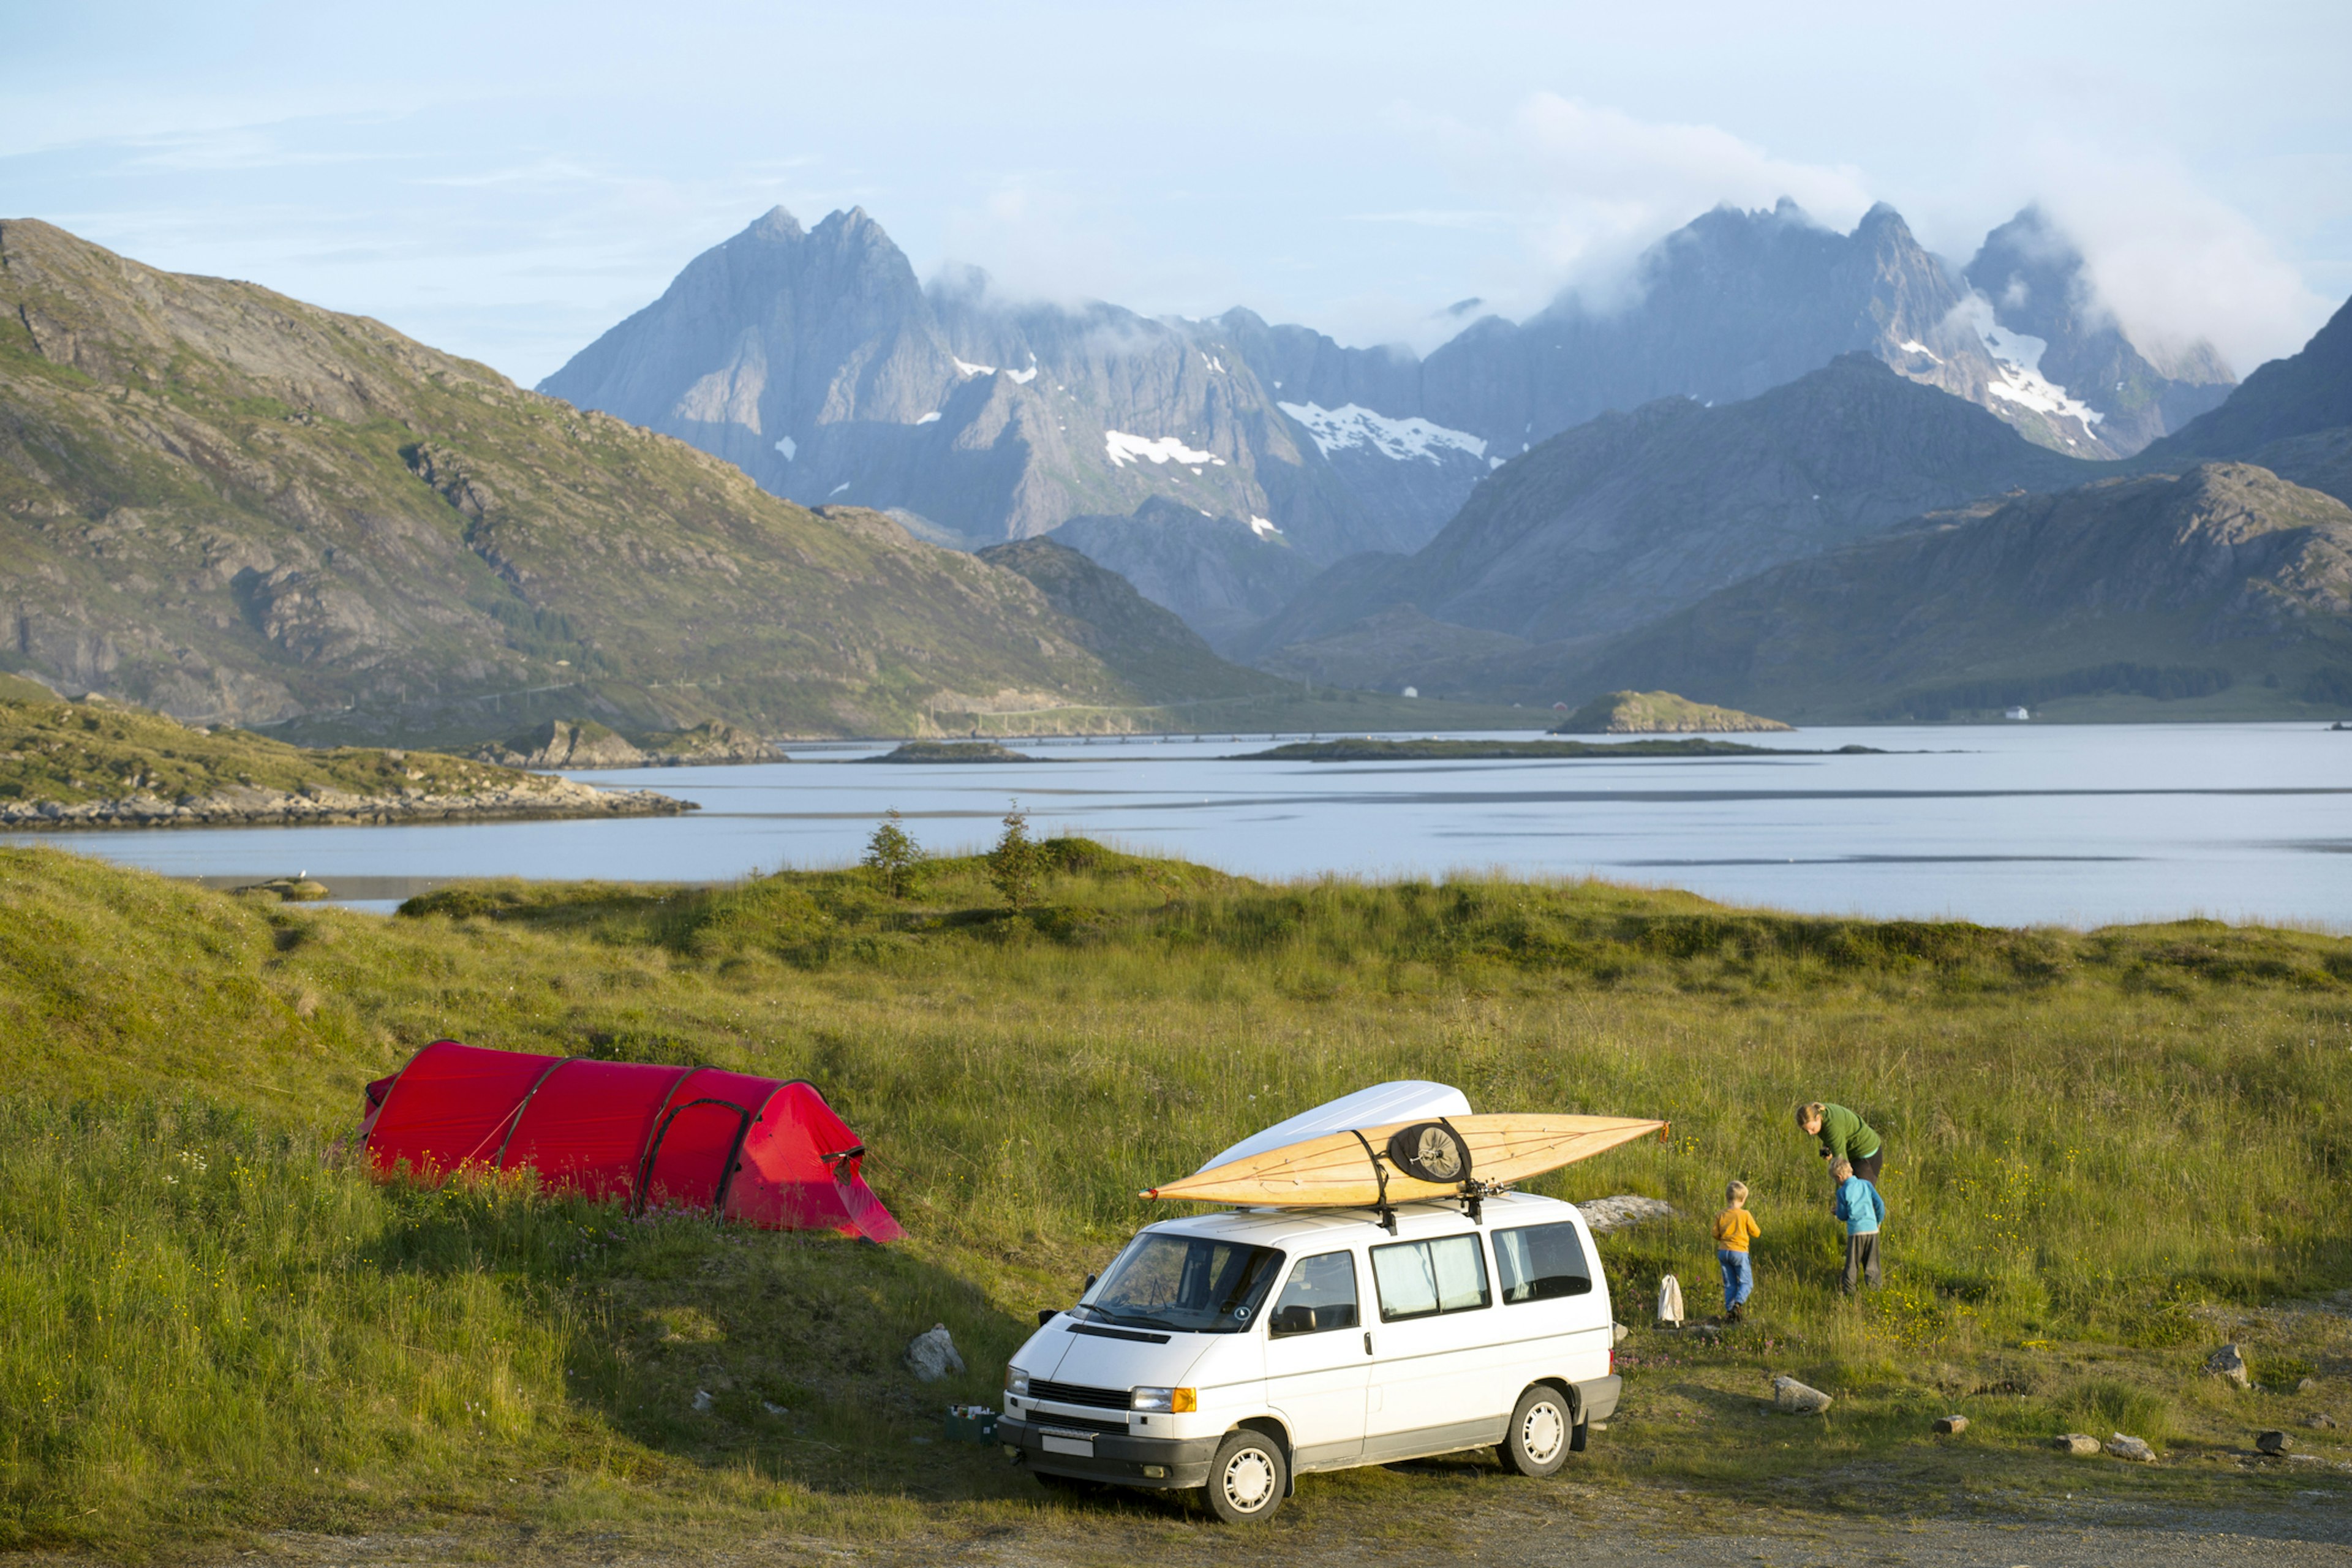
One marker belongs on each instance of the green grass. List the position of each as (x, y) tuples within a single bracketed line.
[(2110, 1150), (76, 752)]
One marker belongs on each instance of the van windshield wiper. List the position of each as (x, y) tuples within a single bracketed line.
[(1142, 1320)]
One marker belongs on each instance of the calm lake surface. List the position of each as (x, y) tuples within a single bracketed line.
[(2013, 825)]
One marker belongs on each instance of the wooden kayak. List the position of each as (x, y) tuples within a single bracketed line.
[(1446, 1157)]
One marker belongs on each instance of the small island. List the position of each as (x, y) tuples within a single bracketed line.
[(585, 743), (954, 752), (1365, 749), (94, 764), (1659, 713)]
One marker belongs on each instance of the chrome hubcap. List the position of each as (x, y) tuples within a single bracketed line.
[(1249, 1480), (1540, 1433)]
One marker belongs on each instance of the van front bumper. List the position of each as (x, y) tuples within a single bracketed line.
[(1596, 1400), (1182, 1462)]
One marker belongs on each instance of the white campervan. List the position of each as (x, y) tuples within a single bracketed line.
[(1233, 1352)]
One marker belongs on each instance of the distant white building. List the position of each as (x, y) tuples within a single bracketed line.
[(2018, 713)]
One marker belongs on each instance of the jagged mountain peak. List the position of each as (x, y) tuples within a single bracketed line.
[(2037, 287), (776, 222)]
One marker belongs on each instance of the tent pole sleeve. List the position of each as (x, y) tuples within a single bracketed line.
[(652, 1142), (744, 1125), (734, 1162), (499, 1160)]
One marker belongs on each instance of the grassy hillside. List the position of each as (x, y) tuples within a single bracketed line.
[(232, 505), (2223, 592), (74, 752), (1656, 713), (2108, 1150)]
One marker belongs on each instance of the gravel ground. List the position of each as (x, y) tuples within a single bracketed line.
[(1564, 1526)]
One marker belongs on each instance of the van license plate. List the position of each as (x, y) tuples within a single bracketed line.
[(1082, 1446)]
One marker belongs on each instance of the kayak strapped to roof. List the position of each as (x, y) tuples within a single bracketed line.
[(1463, 1157), (759, 1151)]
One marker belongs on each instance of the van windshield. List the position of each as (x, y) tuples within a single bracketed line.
[(1193, 1284)]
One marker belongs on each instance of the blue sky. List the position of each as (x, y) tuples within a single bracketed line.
[(508, 180)]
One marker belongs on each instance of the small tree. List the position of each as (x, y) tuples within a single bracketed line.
[(893, 856), (1015, 861)]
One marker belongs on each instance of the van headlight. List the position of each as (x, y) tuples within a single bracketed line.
[(1173, 1400), (1016, 1383)]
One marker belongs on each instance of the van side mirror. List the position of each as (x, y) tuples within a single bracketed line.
[(1090, 1280), (1047, 1314)]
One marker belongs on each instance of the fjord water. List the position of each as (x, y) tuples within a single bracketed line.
[(2020, 823)]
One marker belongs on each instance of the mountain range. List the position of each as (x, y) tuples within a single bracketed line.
[(816, 361), (858, 504), (1632, 516), (2216, 587), (2169, 587), (235, 507)]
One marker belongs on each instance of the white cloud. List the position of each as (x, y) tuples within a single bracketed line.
[(2174, 262), (1606, 184)]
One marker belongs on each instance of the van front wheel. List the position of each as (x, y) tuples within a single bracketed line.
[(1247, 1479), (1537, 1441)]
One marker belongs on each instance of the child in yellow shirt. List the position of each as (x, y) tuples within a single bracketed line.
[(1734, 1227)]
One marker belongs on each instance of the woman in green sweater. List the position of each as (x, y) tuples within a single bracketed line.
[(1844, 1136)]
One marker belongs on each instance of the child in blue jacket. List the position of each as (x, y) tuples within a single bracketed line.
[(1859, 1205)]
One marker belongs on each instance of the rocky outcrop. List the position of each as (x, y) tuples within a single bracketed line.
[(565, 744), (256, 807), (1607, 1215)]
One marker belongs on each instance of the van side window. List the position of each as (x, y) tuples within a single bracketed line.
[(1423, 1278), (1322, 1295), (1541, 1263)]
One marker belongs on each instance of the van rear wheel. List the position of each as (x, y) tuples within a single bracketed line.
[(1247, 1479), (1537, 1441)]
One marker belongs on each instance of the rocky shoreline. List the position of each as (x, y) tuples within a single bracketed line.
[(258, 806)]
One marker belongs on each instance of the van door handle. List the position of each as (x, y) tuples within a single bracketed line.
[(1368, 1341)]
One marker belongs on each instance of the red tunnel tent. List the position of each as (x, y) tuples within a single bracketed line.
[(757, 1150)]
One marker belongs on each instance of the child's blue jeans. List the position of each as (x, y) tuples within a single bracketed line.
[(1738, 1276)]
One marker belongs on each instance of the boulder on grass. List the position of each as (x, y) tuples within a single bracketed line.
[(1952, 1423), (2081, 1445), (932, 1356), (2273, 1443), (1794, 1398), (2132, 1449), (2229, 1362)]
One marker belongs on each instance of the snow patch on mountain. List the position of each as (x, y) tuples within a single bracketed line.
[(932, 417), (2018, 357), (1125, 449), (1264, 527), (1403, 440), (788, 447), (965, 367)]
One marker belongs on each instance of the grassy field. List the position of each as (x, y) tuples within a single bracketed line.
[(2109, 1152), (76, 752)]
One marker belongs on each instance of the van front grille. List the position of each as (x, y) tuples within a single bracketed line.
[(1051, 1421), (1079, 1394)]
